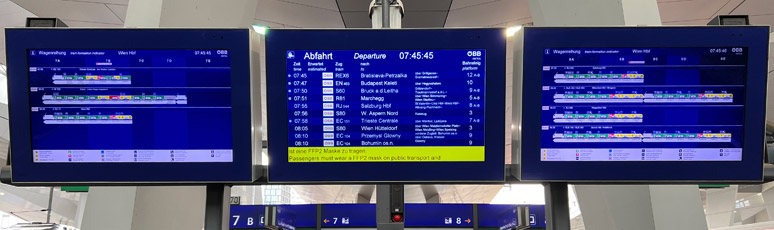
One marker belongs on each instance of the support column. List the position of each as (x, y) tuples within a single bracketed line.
[(641, 207), (431, 194), (557, 206), (190, 13), (623, 206), (594, 12), (365, 193), (79, 212), (149, 208), (768, 200), (394, 14), (389, 199), (720, 206), (109, 208)]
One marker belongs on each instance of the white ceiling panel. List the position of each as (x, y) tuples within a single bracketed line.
[(296, 15), (8, 7), (15, 19), (682, 12), (11, 15), (71, 23), (686, 23), (270, 25), (426, 5), (118, 10), (457, 4), (70, 10), (675, 11), (114, 2), (418, 13), (325, 4), (357, 19), (755, 7), (766, 19), (353, 5), (489, 14), (729, 7), (423, 19)]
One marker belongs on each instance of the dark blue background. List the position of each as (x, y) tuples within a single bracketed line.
[(364, 215), (755, 39), (360, 215), (280, 41), (306, 215), (656, 114), (490, 215), (447, 65), (171, 127), (432, 215), (19, 41), (245, 211)]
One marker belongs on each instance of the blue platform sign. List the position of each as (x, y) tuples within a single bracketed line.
[(348, 215), (246, 216), (439, 215), (537, 216), (306, 215), (488, 214), (509, 219), (286, 219)]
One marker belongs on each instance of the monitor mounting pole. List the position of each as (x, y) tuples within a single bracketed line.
[(557, 206), (389, 204), (386, 14), (216, 207), (389, 197)]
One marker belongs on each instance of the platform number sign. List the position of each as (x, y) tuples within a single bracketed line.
[(235, 200), (246, 216)]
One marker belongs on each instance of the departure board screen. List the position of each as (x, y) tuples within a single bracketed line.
[(671, 104), (356, 106), (643, 104), (130, 106), (142, 107), (342, 108)]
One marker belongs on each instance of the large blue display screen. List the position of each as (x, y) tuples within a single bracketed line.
[(130, 105), (364, 105), (643, 104), (361, 104), (142, 106), (663, 104)]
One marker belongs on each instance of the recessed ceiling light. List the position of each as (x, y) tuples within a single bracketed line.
[(260, 29), (512, 30)]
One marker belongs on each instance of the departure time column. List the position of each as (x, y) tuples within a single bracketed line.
[(298, 99)]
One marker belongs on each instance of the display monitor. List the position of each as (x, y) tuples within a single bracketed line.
[(386, 105), (146, 105), (644, 103)]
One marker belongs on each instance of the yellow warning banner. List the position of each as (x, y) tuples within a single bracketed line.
[(386, 154)]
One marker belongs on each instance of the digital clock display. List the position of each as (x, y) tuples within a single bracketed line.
[(418, 55), (737, 50), (203, 52)]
